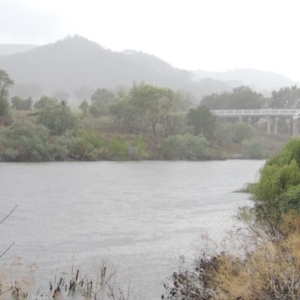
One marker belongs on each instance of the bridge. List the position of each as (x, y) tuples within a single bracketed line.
[(240, 113)]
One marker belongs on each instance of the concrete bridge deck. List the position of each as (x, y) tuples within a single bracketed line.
[(269, 113), (256, 113)]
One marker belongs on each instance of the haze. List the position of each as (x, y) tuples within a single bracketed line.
[(206, 35)]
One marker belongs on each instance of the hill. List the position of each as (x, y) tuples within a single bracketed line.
[(9, 49), (255, 79), (75, 63)]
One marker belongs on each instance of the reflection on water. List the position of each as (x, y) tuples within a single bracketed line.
[(139, 215)]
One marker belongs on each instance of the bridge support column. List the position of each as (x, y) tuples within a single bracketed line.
[(269, 125), (275, 126), (295, 127)]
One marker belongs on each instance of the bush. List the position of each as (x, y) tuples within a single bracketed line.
[(58, 118), (82, 146), (118, 150), (24, 141), (185, 147), (253, 149)]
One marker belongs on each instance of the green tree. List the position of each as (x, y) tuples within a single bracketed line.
[(202, 121), (288, 97), (144, 107), (240, 98), (84, 106), (44, 101), (57, 118), (21, 104), (100, 100), (151, 103), (277, 191), (5, 83)]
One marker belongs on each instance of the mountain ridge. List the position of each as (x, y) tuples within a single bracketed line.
[(76, 62)]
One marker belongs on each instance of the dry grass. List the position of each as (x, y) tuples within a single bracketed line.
[(252, 267)]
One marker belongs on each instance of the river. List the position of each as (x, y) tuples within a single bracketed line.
[(141, 216)]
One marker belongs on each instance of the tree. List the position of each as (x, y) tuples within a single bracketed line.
[(288, 97), (84, 106), (44, 101), (5, 83), (145, 107), (21, 104), (240, 98), (100, 100), (57, 118), (152, 103), (202, 121)]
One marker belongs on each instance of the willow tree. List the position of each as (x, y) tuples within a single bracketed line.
[(277, 191), (5, 83)]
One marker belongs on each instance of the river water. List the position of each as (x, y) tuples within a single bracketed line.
[(141, 216)]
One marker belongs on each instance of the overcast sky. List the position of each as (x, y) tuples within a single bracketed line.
[(189, 34)]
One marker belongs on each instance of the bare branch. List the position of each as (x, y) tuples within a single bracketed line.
[(9, 214), (7, 249)]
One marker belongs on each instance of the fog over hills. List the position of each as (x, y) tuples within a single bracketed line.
[(255, 79), (76, 63), (9, 49)]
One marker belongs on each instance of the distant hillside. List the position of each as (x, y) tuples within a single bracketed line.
[(9, 49), (75, 63), (257, 80)]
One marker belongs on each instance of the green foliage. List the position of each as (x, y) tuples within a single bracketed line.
[(92, 137), (83, 146), (181, 102), (145, 107), (288, 97), (137, 149), (237, 132), (44, 101), (253, 149), (118, 150), (278, 189), (24, 141), (151, 104), (21, 104), (241, 131), (202, 121), (84, 107), (5, 83), (290, 152), (57, 118), (100, 101), (185, 147), (240, 98)]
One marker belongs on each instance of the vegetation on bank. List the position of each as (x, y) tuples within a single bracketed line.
[(261, 260), (143, 122)]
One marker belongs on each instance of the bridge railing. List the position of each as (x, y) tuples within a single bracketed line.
[(256, 112)]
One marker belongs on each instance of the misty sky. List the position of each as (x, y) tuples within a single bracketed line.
[(189, 34)]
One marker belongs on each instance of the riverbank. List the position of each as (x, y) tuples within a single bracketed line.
[(25, 139)]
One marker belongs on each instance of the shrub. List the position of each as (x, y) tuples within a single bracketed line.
[(82, 146), (185, 147), (253, 149), (24, 141), (118, 150), (57, 118)]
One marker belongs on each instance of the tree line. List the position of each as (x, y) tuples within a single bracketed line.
[(142, 122)]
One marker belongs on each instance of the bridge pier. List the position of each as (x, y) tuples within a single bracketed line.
[(269, 125), (275, 126), (295, 127)]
